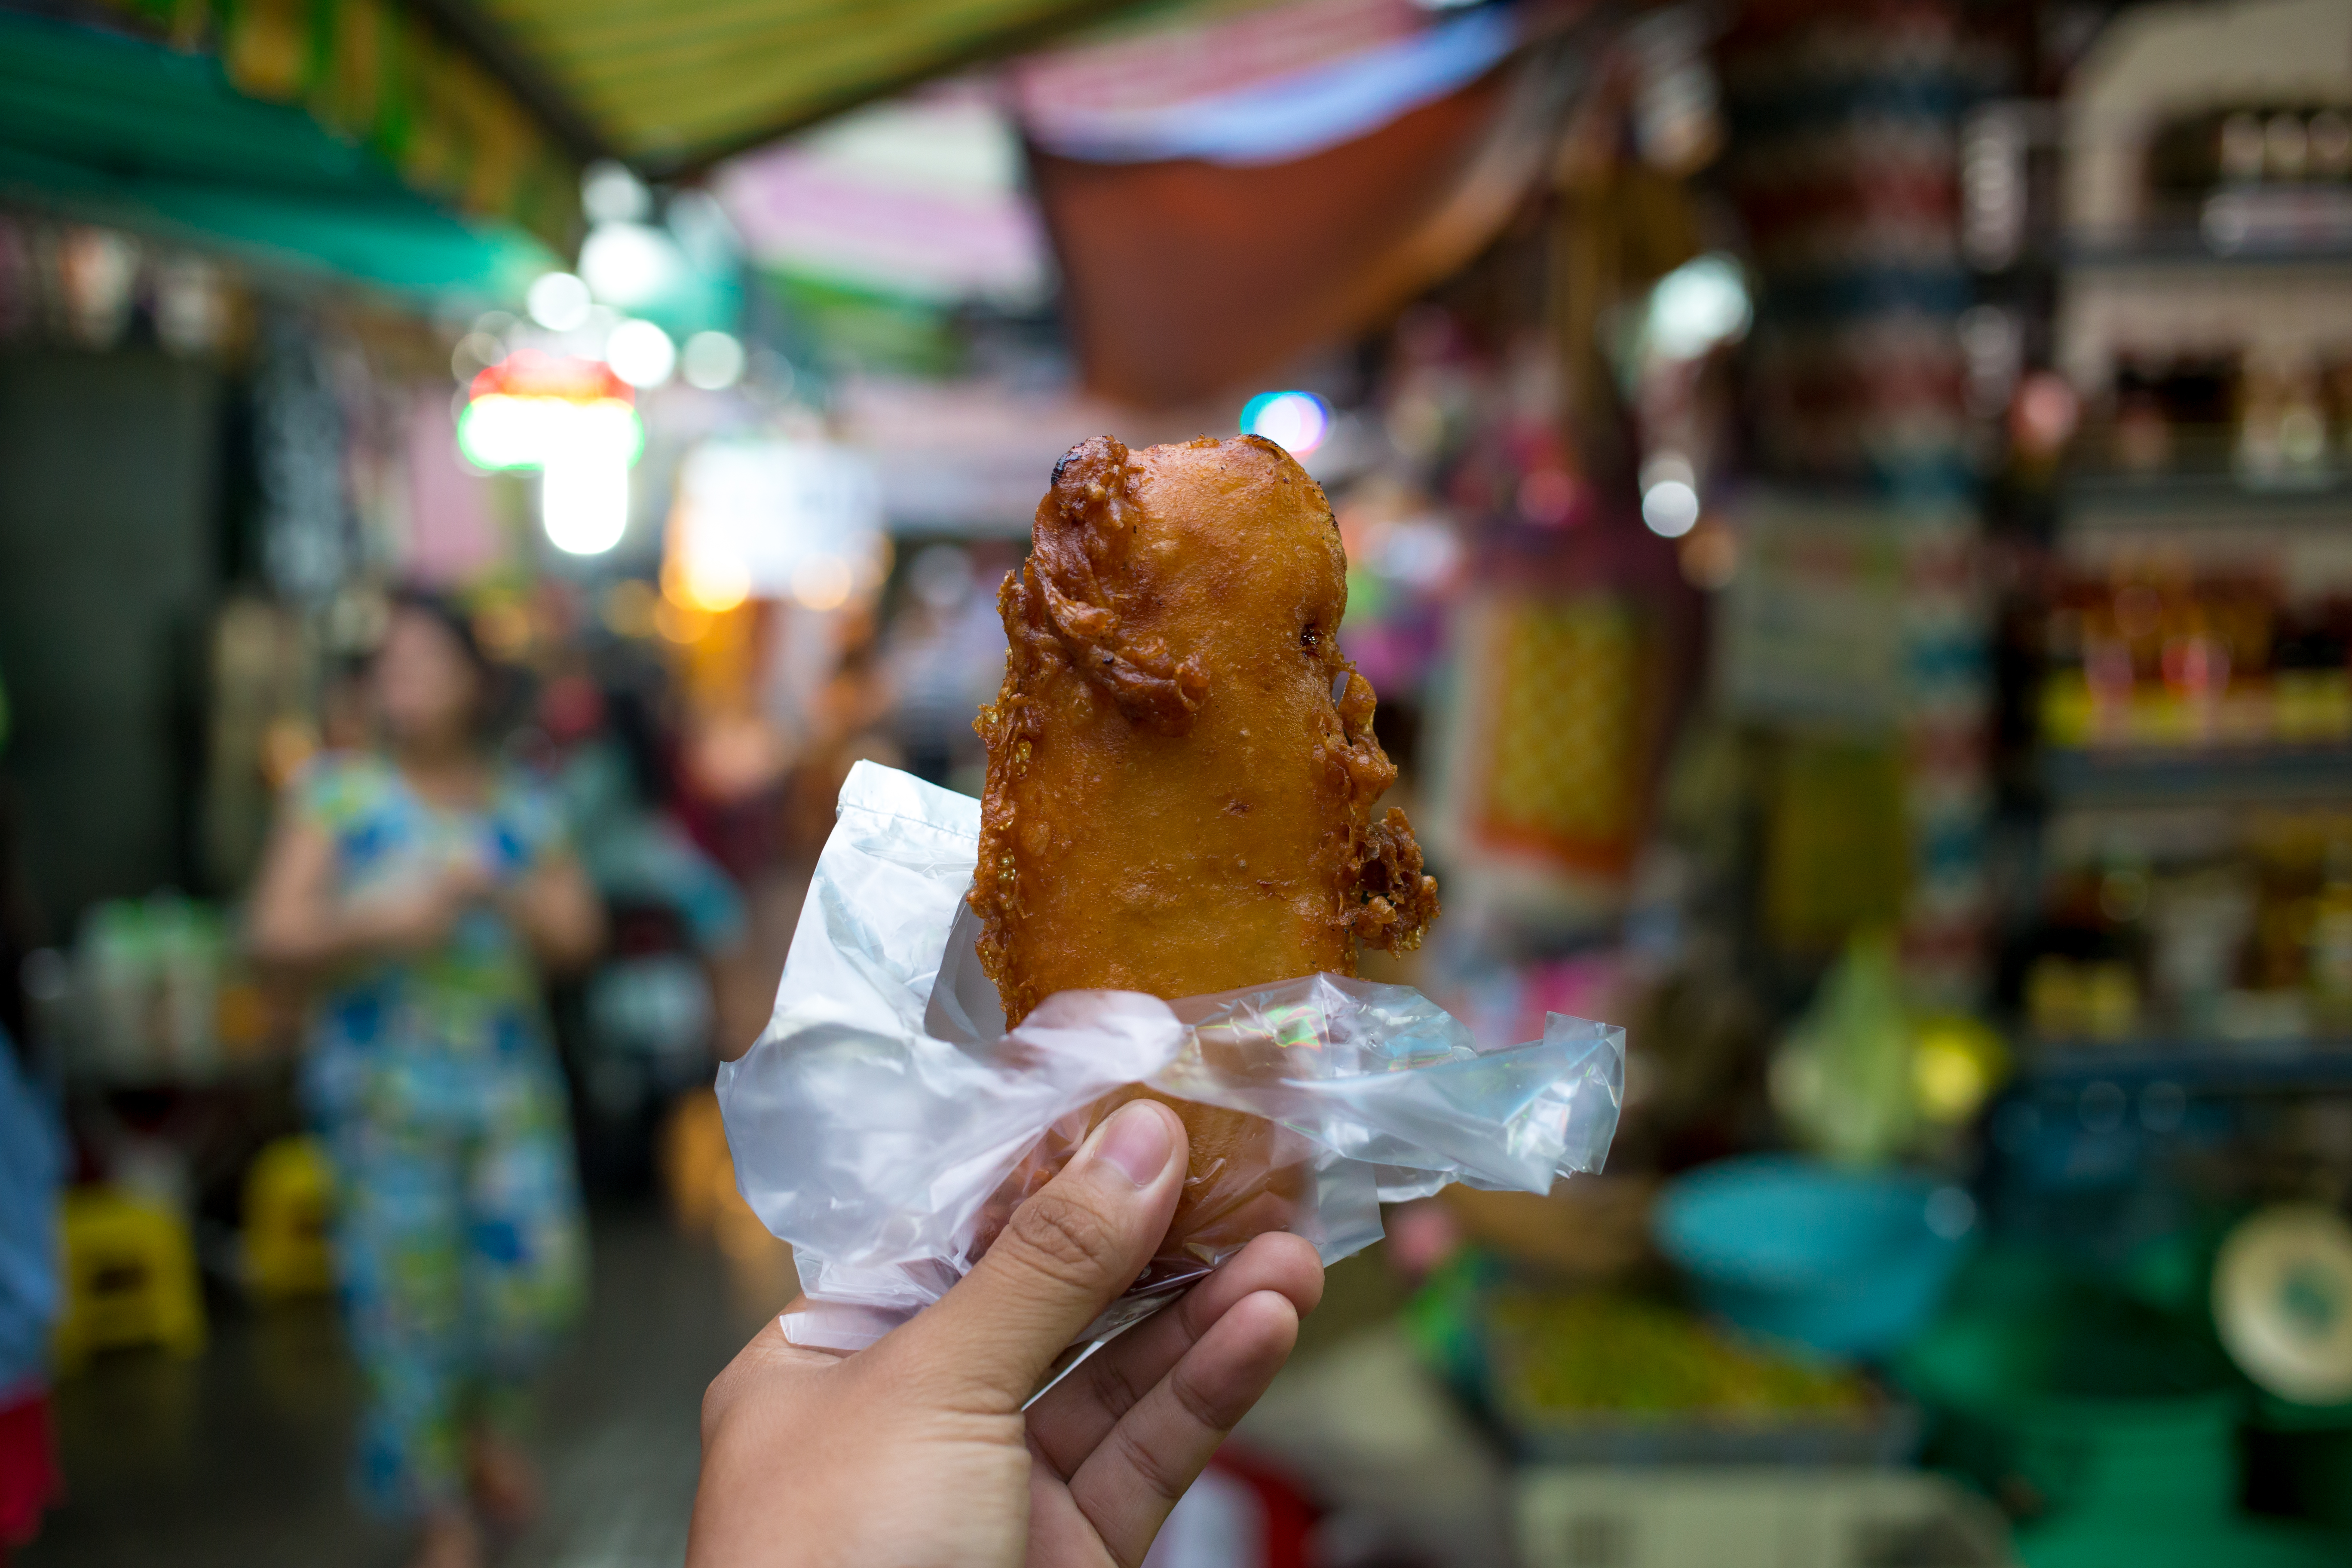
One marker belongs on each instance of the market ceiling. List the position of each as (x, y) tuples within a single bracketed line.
[(670, 86)]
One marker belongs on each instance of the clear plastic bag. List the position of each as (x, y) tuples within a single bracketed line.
[(886, 1123)]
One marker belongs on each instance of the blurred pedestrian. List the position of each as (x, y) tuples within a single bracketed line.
[(422, 889), (32, 1168), (32, 1164)]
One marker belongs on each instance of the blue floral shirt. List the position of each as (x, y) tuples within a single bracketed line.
[(424, 1036)]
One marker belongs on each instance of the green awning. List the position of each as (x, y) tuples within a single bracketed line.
[(119, 129)]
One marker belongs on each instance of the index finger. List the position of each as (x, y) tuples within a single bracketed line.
[(1078, 1412)]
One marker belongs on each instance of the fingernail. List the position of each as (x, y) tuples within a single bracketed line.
[(1136, 1140)]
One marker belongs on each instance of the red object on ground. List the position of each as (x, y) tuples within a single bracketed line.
[(30, 1482), (1289, 1515)]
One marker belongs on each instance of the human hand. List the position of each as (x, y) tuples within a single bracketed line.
[(556, 909), (916, 1453), (420, 918)]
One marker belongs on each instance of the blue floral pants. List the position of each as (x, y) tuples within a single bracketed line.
[(463, 1256)]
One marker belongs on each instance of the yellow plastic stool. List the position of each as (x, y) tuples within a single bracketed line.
[(130, 1277), (289, 1200), (699, 1173), (696, 1166)]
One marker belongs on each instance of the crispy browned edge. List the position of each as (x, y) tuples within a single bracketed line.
[(1061, 607)]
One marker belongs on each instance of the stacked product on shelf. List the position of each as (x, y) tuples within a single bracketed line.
[(1845, 133), (2190, 716)]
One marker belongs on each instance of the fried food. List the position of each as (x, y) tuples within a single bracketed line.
[(1181, 770)]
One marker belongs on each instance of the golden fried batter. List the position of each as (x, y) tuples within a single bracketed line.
[(1181, 764)]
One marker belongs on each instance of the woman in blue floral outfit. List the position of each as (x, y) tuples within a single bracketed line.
[(421, 890)]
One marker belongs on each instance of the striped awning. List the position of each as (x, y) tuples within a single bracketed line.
[(493, 106), (671, 85)]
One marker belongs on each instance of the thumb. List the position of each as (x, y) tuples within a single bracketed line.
[(1068, 1253)]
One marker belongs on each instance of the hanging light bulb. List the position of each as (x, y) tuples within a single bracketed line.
[(583, 496)]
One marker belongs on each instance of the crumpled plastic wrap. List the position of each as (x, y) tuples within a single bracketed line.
[(886, 1123)]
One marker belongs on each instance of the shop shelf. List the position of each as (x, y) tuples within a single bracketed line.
[(2197, 1064), (1888, 1435), (1598, 1516), (2195, 775), (2188, 248), (2095, 503)]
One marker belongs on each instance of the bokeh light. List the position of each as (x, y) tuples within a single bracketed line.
[(558, 301), (504, 431), (1297, 422), (584, 498), (822, 582), (1696, 306), (716, 581), (712, 360), (1670, 507), (630, 265), (1670, 504), (1548, 496), (641, 354), (610, 192)]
